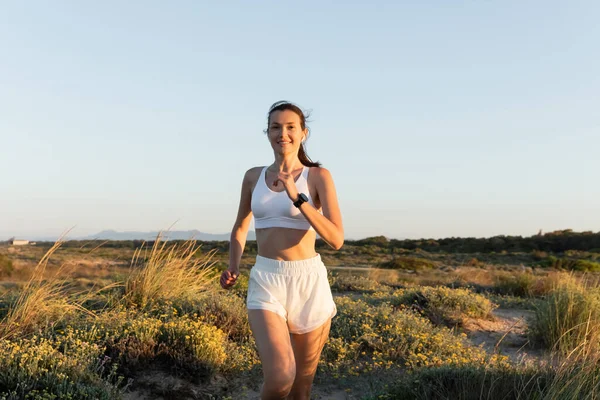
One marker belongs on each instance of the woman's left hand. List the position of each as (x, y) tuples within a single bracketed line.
[(288, 183)]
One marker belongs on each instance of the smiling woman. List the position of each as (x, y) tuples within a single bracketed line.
[(292, 127), (290, 305)]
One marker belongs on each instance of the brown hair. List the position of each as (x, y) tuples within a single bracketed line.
[(286, 105)]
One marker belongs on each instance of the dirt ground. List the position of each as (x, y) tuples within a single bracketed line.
[(150, 385), (506, 334)]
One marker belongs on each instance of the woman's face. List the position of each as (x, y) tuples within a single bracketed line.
[(285, 132)]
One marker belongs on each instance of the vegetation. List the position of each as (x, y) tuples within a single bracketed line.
[(568, 318), (389, 336), (39, 305), (440, 304), (570, 264), (6, 266), (81, 320), (551, 242), (554, 242), (167, 273), (409, 263)]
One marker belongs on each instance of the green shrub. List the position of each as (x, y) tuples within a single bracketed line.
[(588, 266), (383, 336), (241, 285), (379, 241), (440, 304), (509, 301), (409, 263), (189, 341), (474, 262), (227, 312), (137, 339), (63, 368), (551, 262), (571, 264), (591, 255), (6, 266), (521, 284)]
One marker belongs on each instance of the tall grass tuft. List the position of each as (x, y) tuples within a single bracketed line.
[(578, 375), (40, 304), (568, 319), (169, 273)]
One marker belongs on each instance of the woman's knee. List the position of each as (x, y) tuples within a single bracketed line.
[(278, 385)]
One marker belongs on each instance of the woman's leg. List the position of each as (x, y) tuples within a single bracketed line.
[(307, 351), (275, 351)]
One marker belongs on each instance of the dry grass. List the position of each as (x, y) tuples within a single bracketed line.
[(39, 304), (569, 319), (577, 375), (372, 342), (170, 272)]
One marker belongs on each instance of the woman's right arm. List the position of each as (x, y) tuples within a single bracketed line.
[(240, 230)]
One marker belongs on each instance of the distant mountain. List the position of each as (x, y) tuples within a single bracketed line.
[(171, 235), (132, 235)]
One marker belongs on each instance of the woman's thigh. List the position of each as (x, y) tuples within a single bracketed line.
[(307, 349), (273, 341)]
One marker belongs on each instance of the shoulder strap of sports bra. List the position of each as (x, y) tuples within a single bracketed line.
[(263, 176), (305, 173)]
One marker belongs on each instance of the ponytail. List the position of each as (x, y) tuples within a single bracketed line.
[(305, 159)]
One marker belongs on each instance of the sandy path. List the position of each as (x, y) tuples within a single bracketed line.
[(506, 333), (150, 385)]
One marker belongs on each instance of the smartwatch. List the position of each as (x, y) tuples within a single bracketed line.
[(301, 199)]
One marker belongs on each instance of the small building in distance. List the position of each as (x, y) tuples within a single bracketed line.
[(16, 242)]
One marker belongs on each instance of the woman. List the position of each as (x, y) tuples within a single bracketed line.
[(290, 305)]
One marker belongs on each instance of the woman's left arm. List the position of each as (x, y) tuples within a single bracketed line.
[(329, 224)]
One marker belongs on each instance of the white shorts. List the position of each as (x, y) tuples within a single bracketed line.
[(296, 290)]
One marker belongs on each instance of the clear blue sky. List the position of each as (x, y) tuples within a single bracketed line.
[(472, 118)]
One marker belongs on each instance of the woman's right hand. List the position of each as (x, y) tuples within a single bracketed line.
[(228, 278)]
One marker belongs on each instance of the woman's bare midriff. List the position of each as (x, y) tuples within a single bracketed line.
[(286, 244)]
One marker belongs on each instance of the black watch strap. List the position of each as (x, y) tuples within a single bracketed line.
[(301, 199)]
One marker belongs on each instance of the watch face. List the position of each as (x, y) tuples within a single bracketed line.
[(302, 198)]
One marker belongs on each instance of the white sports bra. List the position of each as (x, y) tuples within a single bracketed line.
[(275, 209)]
